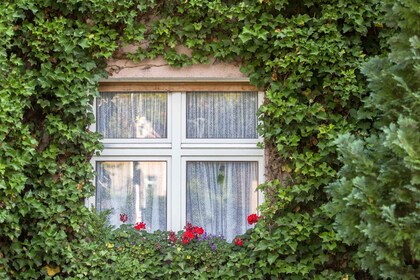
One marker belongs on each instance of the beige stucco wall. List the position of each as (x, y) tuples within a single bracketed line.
[(159, 69)]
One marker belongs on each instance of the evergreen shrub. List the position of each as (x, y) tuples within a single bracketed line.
[(376, 200)]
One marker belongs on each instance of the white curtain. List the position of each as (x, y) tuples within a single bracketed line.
[(222, 115), (132, 115), (137, 189), (221, 195)]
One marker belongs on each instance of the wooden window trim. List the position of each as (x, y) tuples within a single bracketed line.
[(175, 86)]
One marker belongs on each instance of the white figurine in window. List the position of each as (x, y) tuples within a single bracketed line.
[(144, 128)]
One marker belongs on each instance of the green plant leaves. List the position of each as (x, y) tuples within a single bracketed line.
[(376, 196), (305, 54)]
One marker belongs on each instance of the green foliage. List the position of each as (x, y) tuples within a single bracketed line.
[(305, 54), (141, 255), (315, 87), (376, 200), (49, 80)]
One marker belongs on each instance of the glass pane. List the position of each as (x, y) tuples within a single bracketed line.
[(137, 189), (221, 195), (222, 115), (132, 115)]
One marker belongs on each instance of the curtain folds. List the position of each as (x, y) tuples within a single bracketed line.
[(220, 196), (132, 115), (137, 189), (229, 115)]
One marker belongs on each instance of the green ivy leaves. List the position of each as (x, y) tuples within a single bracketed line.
[(305, 54)]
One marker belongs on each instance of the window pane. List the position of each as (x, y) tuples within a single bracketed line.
[(221, 195), (137, 189), (222, 115), (132, 115)]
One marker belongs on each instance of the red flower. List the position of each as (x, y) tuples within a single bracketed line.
[(172, 237), (189, 234), (198, 230), (123, 217), (140, 226), (188, 227), (238, 242), (253, 218), (185, 241), (187, 237)]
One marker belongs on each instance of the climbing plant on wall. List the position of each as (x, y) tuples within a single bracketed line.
[(305, 54)]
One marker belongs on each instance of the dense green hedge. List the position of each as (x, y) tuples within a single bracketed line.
[(376, 201), (305, 54)]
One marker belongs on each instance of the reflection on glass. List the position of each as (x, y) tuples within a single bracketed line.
[(230, 115), (137, 189), (132, 115), (221, 195)]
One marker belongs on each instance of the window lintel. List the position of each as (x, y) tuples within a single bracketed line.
[(175, 85)]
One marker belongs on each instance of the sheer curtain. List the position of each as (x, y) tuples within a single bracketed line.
[(132, 115), (222, 115), (221, 195), (137, 189)]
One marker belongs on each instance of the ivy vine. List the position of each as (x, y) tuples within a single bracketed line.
[(305, 55)]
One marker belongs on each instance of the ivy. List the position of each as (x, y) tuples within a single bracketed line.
[(305, 55)]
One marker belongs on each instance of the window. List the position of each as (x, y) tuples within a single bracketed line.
[(177, 153)]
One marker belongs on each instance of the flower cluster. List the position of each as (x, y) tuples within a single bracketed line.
[(191, 232), (253, 218), (238, 241), (140, 226), (123, 217), (172, 237), (187, 237)]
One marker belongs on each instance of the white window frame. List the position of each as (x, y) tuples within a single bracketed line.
[(134, 158), (176, 150)]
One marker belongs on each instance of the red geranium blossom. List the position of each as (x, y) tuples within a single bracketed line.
[(140, 226), (189, 234), (253, 218), (187, 237), (198, 230), (238, 242), (123, 217), (172, 237), (188, 227), (185, 241)]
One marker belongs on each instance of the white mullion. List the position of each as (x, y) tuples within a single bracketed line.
[(221, 146), (261, 161), (135, 152), (92, 126), (183, 172), (261, 178), (210, 153), (91, 201), (260, 103), (220, 141), (177, 200)]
